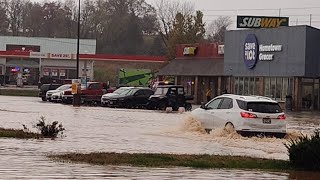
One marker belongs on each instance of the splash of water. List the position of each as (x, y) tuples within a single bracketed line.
[(191, 124)]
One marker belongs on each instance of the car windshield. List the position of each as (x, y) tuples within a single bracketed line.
[(64, 87), (83, 86), (260, 107), (120, 90), (161, 91), (129, 92)]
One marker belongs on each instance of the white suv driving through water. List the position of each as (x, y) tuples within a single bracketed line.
[(255, 114)]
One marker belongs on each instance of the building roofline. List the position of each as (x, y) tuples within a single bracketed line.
[(95, 57)]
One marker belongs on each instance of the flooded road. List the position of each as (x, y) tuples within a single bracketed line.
[(92, 129)]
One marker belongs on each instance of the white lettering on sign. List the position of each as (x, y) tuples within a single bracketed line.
[(270, 48), (266, 57), (250, 51), (263, 22), (38, 55), (221, 49), (60, 56)]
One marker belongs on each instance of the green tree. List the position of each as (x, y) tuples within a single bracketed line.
[(186, 30)]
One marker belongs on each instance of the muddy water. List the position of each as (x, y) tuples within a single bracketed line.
[(91, 129)]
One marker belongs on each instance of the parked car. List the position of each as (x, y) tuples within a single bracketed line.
[(106, 97), (46, 87), (58, 90), (131, 98), (169, 96), (253, 114), (56, 95)]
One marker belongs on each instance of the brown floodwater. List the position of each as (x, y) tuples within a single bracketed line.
[(92, 129)]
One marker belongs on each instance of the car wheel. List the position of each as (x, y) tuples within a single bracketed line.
[(208, 131), (149, 107), (229, 127), (188, 107), (175, 107), (44, 99), (162, 106), (129, 105)]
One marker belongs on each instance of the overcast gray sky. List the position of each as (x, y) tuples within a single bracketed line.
[(297, 10)]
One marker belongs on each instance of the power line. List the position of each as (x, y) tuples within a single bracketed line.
[(262, 9), (295, 15)]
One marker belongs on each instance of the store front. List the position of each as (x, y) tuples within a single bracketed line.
[(280, 63), (198, 67)]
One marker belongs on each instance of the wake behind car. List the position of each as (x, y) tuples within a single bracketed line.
[(131, 98), (58, 90), (245, 114)]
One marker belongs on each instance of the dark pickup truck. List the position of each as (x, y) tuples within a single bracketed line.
[(169, 96)]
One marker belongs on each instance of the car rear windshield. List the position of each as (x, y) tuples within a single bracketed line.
[(260, 107), (45, 87), (161, 91)]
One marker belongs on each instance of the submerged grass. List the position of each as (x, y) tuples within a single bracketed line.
[(17, 133), (173, 160)]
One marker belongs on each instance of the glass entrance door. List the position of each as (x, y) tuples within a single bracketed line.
[(307, 94)]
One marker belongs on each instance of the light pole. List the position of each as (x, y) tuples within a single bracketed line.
[(77, 96)]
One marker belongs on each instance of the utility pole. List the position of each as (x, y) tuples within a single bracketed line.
[(279, 12), (77, 95), (310, 19)]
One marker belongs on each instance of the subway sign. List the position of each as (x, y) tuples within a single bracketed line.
[(261, 21)]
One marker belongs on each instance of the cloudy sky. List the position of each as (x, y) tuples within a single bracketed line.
[(297, 10)]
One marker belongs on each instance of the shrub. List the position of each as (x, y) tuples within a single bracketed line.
[(49, 130), (304, 152)]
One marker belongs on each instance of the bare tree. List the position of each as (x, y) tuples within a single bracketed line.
[(4, 22), (217, 28), (15, 15), (167, 11)]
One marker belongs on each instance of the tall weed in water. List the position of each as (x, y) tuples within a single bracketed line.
[(49, 130), (304, 152)]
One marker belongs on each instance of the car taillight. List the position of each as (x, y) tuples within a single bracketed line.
[(282, 117), (248, 115)]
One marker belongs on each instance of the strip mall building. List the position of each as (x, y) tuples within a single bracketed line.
[(55, 58), (282, 63)]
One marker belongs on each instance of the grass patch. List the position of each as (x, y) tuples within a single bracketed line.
[(17, 133), (173, 160), (19, 92)]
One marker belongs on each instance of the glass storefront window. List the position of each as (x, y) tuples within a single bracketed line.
[(241, 89), (257, 86), (267, 87), (285, 90), (251, 86), (276, 88), (279, 88), (246, 86), (273, 87), (236, 85), (188, 83)]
